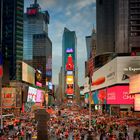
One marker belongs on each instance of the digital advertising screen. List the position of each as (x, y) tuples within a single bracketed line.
[(137, 102), (69, 50), (39, 96), (32, 93), (119, 95), (31, 11), (28, 73), (134, 84), (69, 79)]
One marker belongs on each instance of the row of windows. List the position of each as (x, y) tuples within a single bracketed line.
[(134, 34), (39, 36)]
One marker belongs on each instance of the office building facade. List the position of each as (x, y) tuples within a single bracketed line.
[(118, 26), (42, 56), (35, 22), (12, 35), (69, 64)]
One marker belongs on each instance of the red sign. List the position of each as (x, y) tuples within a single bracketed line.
[(31, 11), (69, 64), (1, 71), (119, 95)]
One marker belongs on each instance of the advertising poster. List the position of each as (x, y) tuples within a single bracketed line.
[(39, 96), (134, 84), (32, 92), (119, 95), (28, 73), (95, 97), (137, 102), (8, 97), (99, 97)]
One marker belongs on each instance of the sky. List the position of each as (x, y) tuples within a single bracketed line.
[(76, 15)]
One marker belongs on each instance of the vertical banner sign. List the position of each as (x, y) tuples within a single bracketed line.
[(1, 68)]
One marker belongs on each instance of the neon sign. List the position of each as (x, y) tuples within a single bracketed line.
[(31, 11), (69, 50)]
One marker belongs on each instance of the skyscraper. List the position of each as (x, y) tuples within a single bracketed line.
[(35, 22), (1, 8), (42, 56), (105, 26), (69, 64), (12, 35), (134, 26), (118, 26)]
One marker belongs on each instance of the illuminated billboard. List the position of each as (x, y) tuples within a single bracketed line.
[(28, 73), (8, 97), (119, 95), (69, 72), (69, 64), (134, 84), (31, 11), (32, 93), (38, 78), (137, 102), (39, 96), (69, 50), (69, 89), (69, 79)]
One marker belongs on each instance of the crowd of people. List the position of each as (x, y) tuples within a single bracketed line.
[(21, 127), (67, 124), (75, 126)]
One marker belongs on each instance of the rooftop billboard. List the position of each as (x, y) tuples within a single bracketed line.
[(28, 73)]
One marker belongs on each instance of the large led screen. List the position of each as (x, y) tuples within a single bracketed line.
[(32, 92), (69, 79), (28, 73), (119, 95), (134, 84), (39, 96)]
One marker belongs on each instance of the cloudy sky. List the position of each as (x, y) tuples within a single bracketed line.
[(76, 15)]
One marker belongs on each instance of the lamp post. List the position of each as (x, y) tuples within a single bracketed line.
[(90, 72), (89, 103)]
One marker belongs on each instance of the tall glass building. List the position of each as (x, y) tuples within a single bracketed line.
[(35, 22), (42, 56), (69, 43), (12, 35), (69, 64)]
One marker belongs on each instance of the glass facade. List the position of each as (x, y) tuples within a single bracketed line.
[(69, 63), (69, 42), (12, 43), (42, 56), (35, 22)]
